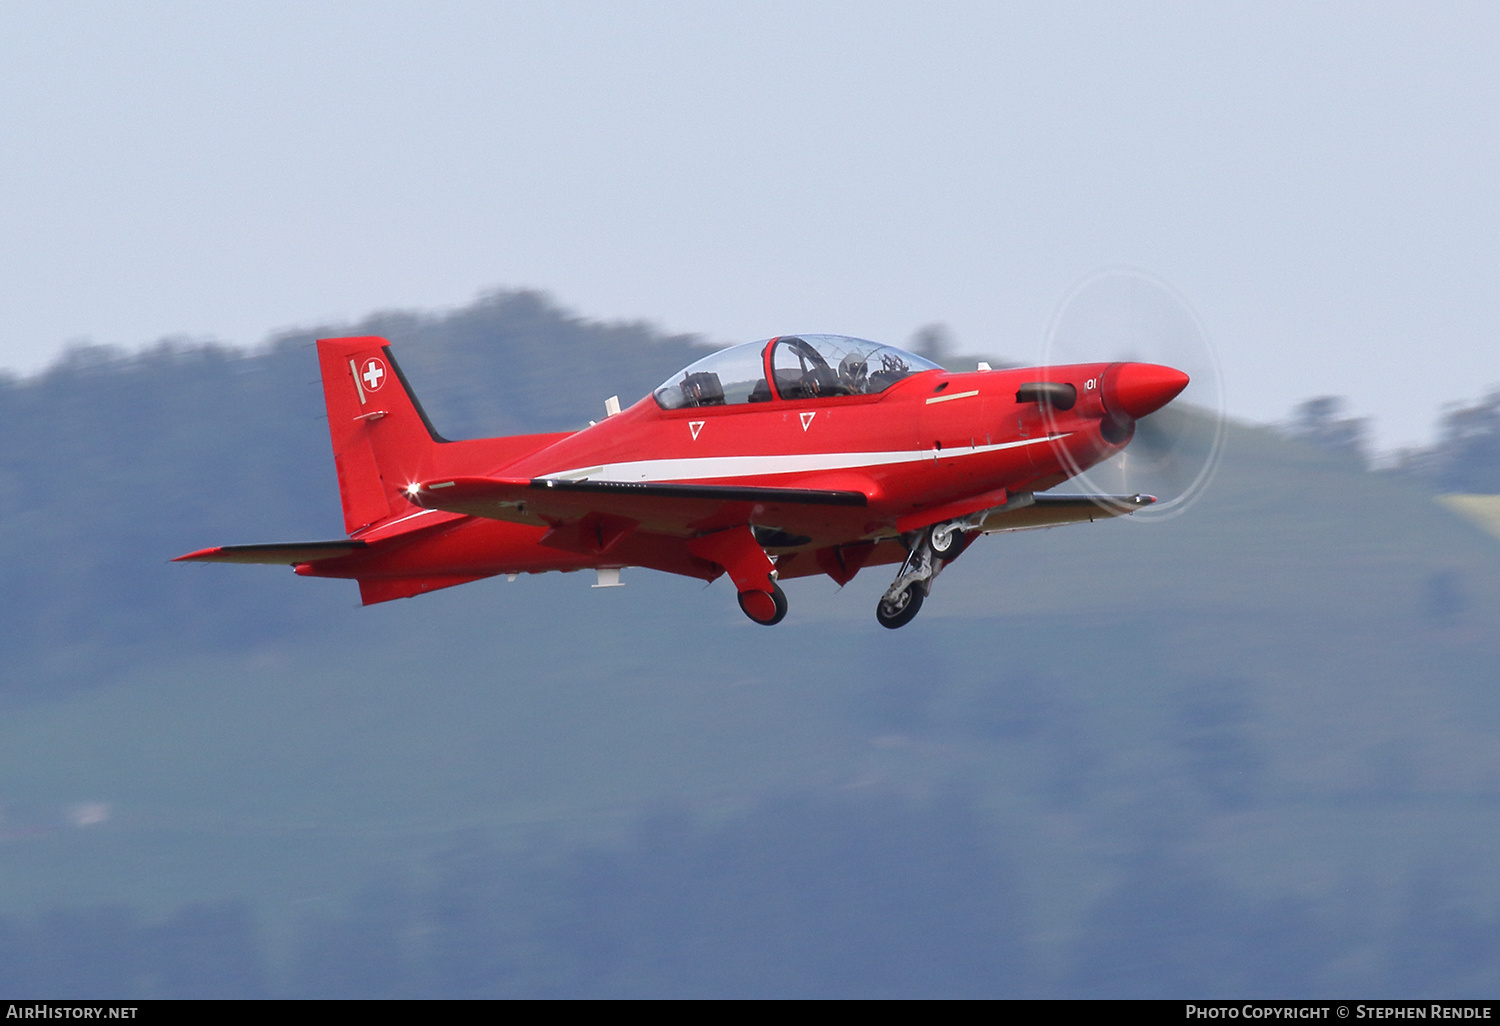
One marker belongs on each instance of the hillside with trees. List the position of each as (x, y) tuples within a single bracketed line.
[(1250, 751)]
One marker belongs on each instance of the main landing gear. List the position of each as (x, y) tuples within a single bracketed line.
[(753, 573), (764, 607), (934, 549)]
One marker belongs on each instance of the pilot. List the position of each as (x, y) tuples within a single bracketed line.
[(854, 374)]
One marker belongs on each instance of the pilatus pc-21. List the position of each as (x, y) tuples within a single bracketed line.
[(801, 455)]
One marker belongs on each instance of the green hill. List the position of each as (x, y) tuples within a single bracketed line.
[(1250, 750)]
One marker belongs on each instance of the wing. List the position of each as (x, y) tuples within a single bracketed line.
[(285, 554), (659, 507), (1056, 510)]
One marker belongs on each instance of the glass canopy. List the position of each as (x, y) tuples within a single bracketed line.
[(804, 367)]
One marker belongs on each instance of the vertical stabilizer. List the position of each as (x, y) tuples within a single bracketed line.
[(382, 439)]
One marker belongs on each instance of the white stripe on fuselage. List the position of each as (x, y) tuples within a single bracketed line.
[(721, 467)]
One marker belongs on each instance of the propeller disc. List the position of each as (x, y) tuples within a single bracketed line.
[(1125, 315)]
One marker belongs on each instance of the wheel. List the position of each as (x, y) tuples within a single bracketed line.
[(903, 609), (764, 607), (956, 542)]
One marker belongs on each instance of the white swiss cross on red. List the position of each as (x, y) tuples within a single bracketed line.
[(373, 374)]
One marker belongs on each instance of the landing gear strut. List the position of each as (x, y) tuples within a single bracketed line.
[(935, 548)]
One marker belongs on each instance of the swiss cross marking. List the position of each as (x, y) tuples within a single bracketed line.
[(695, 426), (373, 374), (807, 418)]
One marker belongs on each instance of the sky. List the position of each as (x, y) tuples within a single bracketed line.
[(1318, 181)]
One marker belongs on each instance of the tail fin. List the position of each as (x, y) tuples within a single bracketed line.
[(382, 439)]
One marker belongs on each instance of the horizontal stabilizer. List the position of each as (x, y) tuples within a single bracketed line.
[(1056, 510), (282, 554)]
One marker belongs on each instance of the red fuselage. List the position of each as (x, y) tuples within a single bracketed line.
[(921, 449), (762, 461)]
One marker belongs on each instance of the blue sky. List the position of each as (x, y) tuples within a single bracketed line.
[(1319, 180)]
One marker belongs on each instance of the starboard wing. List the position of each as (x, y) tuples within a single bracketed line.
[(1056, 510), (659, 506)]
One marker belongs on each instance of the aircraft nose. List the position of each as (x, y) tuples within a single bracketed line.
[(1136, 389)]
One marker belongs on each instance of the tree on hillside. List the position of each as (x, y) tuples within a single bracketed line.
[(112, 462), (1466, 457), (1317, 422), (1469, 447)]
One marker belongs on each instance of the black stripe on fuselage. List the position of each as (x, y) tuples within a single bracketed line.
[(720, 493)]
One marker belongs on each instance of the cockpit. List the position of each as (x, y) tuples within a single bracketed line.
[(802, 367)]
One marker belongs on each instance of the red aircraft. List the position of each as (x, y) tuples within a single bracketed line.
[(801, 455)]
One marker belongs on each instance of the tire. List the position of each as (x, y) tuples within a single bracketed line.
[(902, 611), (956, 541), (754, 605)]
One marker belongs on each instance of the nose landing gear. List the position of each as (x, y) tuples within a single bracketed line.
[(935, 548), (901, 603)]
